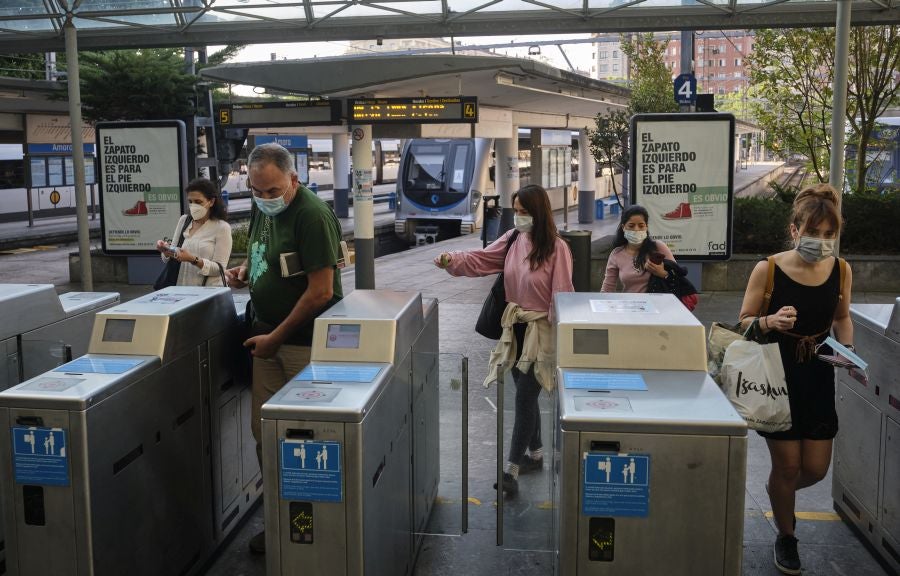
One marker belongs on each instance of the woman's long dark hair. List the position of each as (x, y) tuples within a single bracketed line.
[(209, 190), (543, 233), (647, 246)]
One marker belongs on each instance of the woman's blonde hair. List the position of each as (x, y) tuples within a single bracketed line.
[(816, 204)]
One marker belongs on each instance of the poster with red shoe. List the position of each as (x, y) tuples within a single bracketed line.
[(141, 174), (682, 173)]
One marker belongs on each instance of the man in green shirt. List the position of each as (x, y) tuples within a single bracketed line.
[(291, 269)]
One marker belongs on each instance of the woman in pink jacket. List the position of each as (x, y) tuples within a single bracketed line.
[(537, 265)]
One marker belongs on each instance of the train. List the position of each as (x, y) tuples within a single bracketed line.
[(441, 183)]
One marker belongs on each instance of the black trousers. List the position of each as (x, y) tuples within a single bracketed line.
[(527, 424)]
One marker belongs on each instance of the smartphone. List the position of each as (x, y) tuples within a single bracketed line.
[(655, 257)]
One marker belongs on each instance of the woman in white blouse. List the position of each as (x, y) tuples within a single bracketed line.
[(207, 237)]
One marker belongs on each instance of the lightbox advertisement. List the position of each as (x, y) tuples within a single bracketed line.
[(141, 174), (683, 174)]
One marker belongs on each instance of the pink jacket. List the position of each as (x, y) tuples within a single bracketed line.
[(620, 266), (530, 289)]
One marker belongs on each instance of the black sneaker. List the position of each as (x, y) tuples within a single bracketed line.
[(510, 485), (787, 559), (530, 464), (258, 543)]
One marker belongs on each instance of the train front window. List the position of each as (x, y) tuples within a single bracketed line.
[(437, 174)]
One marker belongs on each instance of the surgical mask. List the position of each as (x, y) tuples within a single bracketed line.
[(198, 211), (272, 207), (814, 249), (635, 236), (523, 223)]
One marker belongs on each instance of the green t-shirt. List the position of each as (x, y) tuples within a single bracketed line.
[(308, 234)]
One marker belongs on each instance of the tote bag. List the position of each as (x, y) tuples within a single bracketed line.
[(754, 382)]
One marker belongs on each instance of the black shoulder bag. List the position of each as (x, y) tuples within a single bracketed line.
[(169, 274), (488, 324)]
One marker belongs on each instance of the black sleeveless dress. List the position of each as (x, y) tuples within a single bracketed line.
[(810, 381)]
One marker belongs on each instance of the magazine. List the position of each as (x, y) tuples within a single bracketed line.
[(843, 357)]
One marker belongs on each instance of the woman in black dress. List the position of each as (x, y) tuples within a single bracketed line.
[(809, 300)]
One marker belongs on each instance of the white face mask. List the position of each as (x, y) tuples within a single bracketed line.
[(814, 249), (198, 211), (635, 236), (523, 223)]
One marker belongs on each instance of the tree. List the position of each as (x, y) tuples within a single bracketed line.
[(651, 81), (651, 91), (792, 70), (147, 84), (873, 87)]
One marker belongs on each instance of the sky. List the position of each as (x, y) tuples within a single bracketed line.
[(579, 54)]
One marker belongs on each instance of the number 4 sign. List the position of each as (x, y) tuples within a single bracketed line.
[(686, 89)]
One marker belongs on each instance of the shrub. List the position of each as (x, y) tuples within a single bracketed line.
[(239, 238), (870, 224)]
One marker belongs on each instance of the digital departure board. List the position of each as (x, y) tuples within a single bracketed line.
[(272, 114), (432, 110)]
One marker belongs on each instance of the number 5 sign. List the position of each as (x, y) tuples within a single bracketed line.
[(686, 89)]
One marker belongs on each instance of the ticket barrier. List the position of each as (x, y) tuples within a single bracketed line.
[(129, 460), (350, 445), (867, 450), (645, 442), (40, 330)]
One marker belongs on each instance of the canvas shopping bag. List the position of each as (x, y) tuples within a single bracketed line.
[(754, 382)]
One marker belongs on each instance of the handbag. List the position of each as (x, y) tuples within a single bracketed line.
[(754, 383), (168, 276), (221, 275), (488, 323), (675, 283)]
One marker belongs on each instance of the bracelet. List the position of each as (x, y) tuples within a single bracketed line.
[(766, 318)]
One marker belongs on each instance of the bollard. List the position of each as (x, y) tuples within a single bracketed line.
[(579, 242), (225, 199), (314, 187), (599, 208)]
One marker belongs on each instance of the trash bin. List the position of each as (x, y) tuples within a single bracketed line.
[(490, 222), (580, 244), (314, 187), (599, 203), (225, 198)]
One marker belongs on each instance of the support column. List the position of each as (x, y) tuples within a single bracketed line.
[(587, 182), (687, 54), (363, 208), (506, 175), (839, 107), (340, 171), (73, 81)]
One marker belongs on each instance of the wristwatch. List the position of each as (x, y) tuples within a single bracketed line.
[(849, 347), (196, 260)]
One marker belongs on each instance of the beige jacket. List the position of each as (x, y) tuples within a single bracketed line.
[(538, 348)]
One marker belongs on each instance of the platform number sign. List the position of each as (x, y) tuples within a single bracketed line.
[(686, 89)]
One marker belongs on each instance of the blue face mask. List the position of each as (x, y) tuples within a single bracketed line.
[(272, 207)]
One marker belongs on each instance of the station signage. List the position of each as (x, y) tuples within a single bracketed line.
[(274, 114), (141, 173), (682, 173), (422, 110)]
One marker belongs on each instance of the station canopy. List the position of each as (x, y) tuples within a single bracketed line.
[(37, 25)]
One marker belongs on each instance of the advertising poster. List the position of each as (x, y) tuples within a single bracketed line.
[(682, 173), (141, 169)]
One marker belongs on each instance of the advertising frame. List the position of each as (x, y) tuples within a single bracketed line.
[(713, 198), (160, 225)]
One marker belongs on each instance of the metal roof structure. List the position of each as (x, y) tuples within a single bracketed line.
[(37, 25)]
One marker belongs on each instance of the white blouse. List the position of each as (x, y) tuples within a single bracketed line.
[(212, 243)]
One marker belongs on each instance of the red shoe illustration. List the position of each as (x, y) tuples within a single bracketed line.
[(682, 212), (140, 209)]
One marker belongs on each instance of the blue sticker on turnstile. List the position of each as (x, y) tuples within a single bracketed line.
[(40, 456), (616, 485), (339, 373), (603, 381), (99, 366), (311, 471)]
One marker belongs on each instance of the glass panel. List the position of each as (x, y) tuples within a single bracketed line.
[(527, 517), (37, 25), (120, 5), (23, 8), (55, 171), (505, 6), (38, 172), (274, 12), (70, 171), (437, 465), (321, 10), (113, 21)]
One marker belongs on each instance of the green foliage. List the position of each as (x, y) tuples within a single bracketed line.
[(609, 142), (760, 226), (651, 81), (28, 66), (870, 224), (785, 193), (136, 85), (239, 238)]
